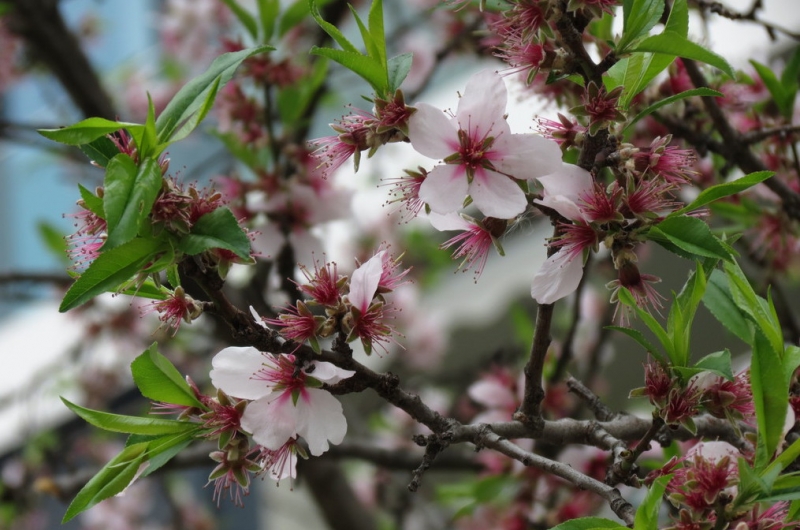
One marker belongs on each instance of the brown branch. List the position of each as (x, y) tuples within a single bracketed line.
[(530, 411), (736, 150), (598, 408), (40, 23)]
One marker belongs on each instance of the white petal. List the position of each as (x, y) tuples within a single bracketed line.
[(526, 156), (481, 108), (321, 420), (233, 370), (569, 180), (492, 394), (432, 133), (558, 277), (271, 420), (714, 451), (497, 195), (329, 373), (444, 188), (450, 221), (364, 281)]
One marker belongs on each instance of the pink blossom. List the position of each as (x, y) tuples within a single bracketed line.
[(566, 193), (286, 400), (366, 319), (472, 244), (482, 158)]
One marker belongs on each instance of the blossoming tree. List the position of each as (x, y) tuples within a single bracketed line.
[(647, 139)]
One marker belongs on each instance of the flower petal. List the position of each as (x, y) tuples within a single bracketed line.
[(444, 188), (329, 373), (233, 370), (558, 277), (432, 133), (364, 282), (564, 188), (482, 107), (320, 420), (497, 195), (526, 156), (450, 221), (272, 420)]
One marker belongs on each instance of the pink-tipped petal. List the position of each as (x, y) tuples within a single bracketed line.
[(320, 420), (445, 188), (558, 277), (271, 420), (497, 195)]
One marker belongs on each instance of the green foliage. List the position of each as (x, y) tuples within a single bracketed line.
[(647, 513), (672, 43), (783, 90), (468, 494), (589, 523), (130, 424), (129, 194), (110, 270), (159, 380), (672, 99), (184, 112), (384, 75), (726, 189), (54, 240), (87, 130), (217, 229), (639, 17), (689, 237)]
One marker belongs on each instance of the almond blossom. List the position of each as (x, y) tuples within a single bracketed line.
[(566, 193), (287, 401), (481, 157)]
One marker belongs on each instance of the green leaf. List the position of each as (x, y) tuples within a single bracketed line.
[(217, 229), (245, 17), (194, 94), (92, 202), (672, 43), (647, 513), (129, 194), (294, 100), (112, 479), (718, 363), (725, 189), (399, 66), (794, 511), (678, 20), (129, 424), (84, 131), (639, 337), (791, 360), (268, 11), (672, 99), (109, 271), (159, 380), (366, 37), (589, 523), (783, 460), (53, 239), (376, 31), (770, 389), (330, 29), (164, 449), (755, 307), (627, 299), (295, 13), (774, 86), (652, 64), (366, 67), (100, 150), (639, 17), (719, 301), (690, 234), (195, 119)]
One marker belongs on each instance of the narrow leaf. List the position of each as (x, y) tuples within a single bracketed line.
[(725, 189), (719, 301), (217, 229), (770, 389), (672, 99), (399, 66), (84, 131), (639, 337), (159, 380), (366, 67), (692, 235), (589, 523), (376, 30), (245, 17), (647, 513), (330, 29), (100, 150), (672, 43), (129, 424), (109, 271), (92, 202), (130, 192), (194, 93), (639, 17), (112, 479)]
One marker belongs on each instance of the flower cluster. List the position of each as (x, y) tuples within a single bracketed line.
[(354, 308)]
